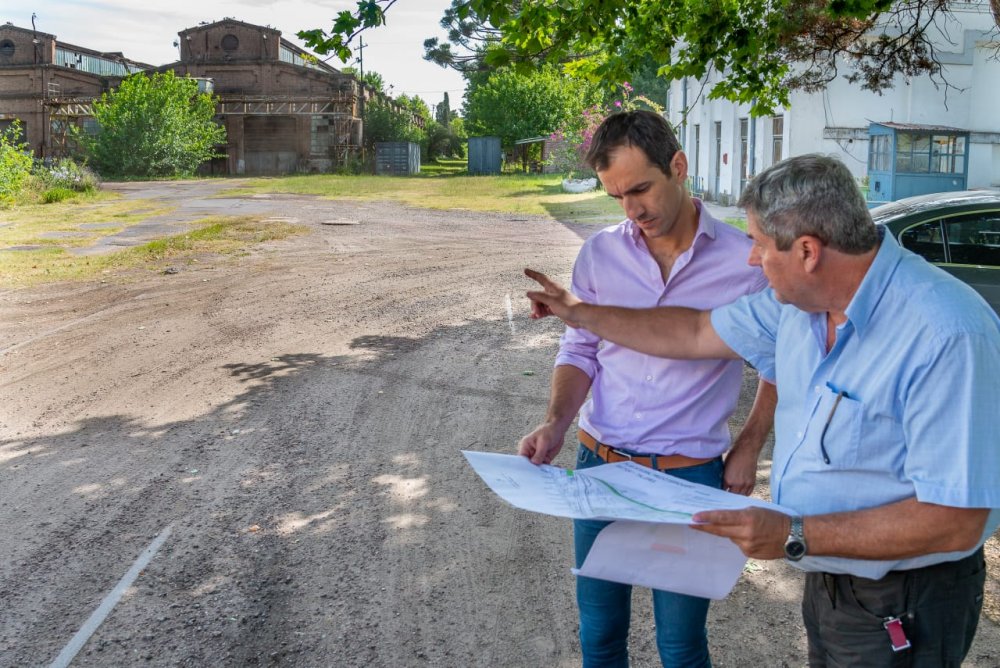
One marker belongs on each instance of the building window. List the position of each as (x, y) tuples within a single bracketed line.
[(744, 151), (930, 154), (718, 158), (777, 138), (947, 154), (7, 48), (230, 43), (880, 153), (697, 152)]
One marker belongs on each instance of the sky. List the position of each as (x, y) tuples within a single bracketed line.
[(145, 30)]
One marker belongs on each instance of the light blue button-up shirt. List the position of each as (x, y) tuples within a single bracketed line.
[(917, 368)]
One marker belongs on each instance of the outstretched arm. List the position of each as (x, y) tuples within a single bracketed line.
[(676, 332)]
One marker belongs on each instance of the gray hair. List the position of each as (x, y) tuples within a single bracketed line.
[(813, 195)]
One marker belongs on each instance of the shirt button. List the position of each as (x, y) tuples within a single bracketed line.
[(638, 416), (799, 435), (648, 378), (818, 389)]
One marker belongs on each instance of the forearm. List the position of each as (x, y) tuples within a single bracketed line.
[(675, 332), (569, 389), (760, 420), (899, 530)]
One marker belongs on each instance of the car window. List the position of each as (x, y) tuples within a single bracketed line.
[(975, 239), (925, 240)]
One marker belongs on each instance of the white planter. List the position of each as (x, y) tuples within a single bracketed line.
[(578, 185)]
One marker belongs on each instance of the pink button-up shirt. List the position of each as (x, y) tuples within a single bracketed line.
[(648, 404)]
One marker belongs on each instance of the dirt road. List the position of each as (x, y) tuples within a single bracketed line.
[(295, 418)]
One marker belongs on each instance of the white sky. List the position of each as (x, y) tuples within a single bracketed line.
[(145, 30)]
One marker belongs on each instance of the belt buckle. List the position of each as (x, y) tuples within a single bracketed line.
[(626, 455)]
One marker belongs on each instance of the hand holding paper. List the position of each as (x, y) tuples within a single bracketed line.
[(649, 542)]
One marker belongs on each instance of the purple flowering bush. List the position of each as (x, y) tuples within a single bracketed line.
[(571, 142)]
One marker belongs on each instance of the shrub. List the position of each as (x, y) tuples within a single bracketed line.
[(67, 174), (57, 194), (15, 162)]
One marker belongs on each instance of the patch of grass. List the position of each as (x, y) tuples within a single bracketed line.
[(738, 223), (79, 221), (444, 167), (53, 195), (216, 235), (539, 194)]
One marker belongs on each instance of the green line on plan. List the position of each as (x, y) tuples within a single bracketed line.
[(639, 503)]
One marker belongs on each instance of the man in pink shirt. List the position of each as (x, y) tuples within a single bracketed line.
[(670, 415)]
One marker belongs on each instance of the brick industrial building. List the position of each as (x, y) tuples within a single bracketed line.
[(284, 111), (48, 85)]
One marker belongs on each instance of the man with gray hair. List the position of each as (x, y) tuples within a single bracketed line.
[(886, 425)]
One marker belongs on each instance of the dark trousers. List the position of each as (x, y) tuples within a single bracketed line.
[(938, 605)]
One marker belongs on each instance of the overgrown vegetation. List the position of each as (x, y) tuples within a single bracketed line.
[(388, 120), (15, 163), (153, 126), (24, 180)]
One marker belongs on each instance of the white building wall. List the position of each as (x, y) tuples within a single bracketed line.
[(836, 120)]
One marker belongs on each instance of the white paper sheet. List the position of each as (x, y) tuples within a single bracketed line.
[(670, 557), (648, 542)]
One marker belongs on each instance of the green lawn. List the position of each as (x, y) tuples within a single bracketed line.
[(445, 187)]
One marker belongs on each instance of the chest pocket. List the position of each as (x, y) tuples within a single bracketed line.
[(835, 431)]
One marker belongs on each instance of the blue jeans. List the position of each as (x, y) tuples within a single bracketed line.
[(606, 607)]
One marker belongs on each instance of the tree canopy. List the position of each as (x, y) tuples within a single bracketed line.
[(760, 49), (544, 99), (157, 125)]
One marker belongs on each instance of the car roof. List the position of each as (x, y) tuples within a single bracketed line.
[(887, 213)]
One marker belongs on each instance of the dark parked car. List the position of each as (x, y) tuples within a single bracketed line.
[(958, 231)]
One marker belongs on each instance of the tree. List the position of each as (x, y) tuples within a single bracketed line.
[(446, 141), (443, 114), (516, 106), (384, 121), (157, 125), (15, 161), (761, 49), (471, 36)]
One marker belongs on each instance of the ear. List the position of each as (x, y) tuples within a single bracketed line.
[(809, 250), (679, 166)]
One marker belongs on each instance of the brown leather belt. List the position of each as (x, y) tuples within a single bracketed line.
[(663, 462)]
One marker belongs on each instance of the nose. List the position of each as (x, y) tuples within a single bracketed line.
[(754, 258), (633, 208)]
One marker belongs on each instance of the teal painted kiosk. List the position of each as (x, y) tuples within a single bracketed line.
[(906, 159)]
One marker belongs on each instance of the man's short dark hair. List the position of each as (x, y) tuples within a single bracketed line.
[(648, 131)]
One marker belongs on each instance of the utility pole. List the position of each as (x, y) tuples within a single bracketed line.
[(361, 56)]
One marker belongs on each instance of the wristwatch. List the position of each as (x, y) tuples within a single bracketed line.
[(795, 544)]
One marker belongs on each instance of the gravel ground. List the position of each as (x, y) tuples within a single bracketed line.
[(295, 417)]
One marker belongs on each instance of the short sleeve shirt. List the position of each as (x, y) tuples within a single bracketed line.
[(905, 403)]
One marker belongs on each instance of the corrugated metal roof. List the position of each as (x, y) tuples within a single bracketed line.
[(920, 127)]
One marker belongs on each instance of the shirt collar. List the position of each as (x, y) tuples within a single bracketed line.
[(876, 281)]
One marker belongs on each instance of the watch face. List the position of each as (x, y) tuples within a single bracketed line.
[(795, 550)]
